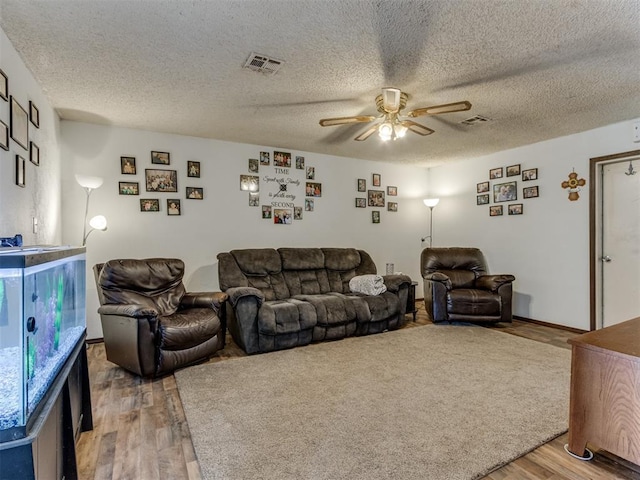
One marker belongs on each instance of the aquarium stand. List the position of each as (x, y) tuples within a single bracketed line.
[(48, 449)]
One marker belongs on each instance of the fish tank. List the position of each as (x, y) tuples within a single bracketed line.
[(42, 319)]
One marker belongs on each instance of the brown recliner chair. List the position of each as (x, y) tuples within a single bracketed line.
[(457, 287), (151, 326)]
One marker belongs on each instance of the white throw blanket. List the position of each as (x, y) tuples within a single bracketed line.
[(368, 284)]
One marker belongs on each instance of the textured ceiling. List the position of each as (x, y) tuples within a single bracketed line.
[(537, 68)]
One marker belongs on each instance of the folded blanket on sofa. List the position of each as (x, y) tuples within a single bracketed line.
[(367, 284)]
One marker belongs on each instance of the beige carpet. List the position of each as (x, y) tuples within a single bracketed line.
[(431, 402)]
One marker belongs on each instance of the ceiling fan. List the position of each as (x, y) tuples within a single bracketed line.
[(391, 124)]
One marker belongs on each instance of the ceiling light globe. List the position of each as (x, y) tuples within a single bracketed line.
[(400, 130), (385, 131)]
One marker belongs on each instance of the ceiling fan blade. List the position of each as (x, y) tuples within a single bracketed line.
[(329, 122), (438, 109), (391, 99), (416, 127), (366, 134)]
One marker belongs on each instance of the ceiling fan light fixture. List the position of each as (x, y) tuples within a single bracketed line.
[(385, 131), (400, 130)]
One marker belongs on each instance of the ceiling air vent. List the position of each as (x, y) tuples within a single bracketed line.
[(478, 119), (261, 63)]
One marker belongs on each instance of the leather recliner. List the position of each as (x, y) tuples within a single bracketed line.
[(458, 288), (151, 325)]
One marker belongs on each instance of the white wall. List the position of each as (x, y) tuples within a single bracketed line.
[(223, 220), (41, 196), (546, 248)]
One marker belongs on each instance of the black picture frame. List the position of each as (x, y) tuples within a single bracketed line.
[(529, 174), (375, 216), (515, 209), (157, 180), (496, 210), (149, 204), (34, 154), (195, 193), (375, 198), (4, 86), (19, 124), (34, 114), (530, 192), (362, 185), (128, 165), (361, 202), (495, 173), (513, 170), (4, 136), (128, 188), (505, 192), (174, 208), (482, 187), (392, 206), (313, 189), (376, 179), (193, 169), (392, 191), (160, 158), (20, 171), (482, 199), (249, 183)]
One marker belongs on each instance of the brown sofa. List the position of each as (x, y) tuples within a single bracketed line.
[(294, 296)]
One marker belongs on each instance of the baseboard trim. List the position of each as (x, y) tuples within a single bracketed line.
[(552, 325), (94, 340)]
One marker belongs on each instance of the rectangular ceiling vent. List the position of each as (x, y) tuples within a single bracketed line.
[(478, 119), (261, 63)]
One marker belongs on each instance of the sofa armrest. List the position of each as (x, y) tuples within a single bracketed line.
[(213, 300), (493, 282), (396, 281), (133, 311), (236, 293), (439, 277)]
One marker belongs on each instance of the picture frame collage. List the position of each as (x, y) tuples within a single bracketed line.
[(502, 187), (376, 197), (20, 129), (159, 180)]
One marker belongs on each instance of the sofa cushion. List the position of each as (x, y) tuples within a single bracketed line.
[(301, 258), (380, 307), (467, 301), (263, 270), (181, 331), (285, 316), (331, 309)]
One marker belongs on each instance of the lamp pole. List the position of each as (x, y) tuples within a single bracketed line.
[(431, 203)]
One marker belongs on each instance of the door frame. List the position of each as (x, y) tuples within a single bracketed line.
[(594, 225)]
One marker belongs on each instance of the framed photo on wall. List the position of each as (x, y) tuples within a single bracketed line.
[(483, 199), (515, 209), (149, 205), (376, 198), (173, 206), (161, 180), (482, 187), (361, 202), (253, 165), (128, 165), (265, 160), (376, 179), (495, 210), (495, 173), (513, 170), (34, 154), (530, 174), (392, 191), (34, 114), (362, 185), (128, 188), (193, 169), (4, 86), (20, 171), (249, 183), (4, 136), (160, 158), (195, 193), (530, 192), (392, 206), (505, 192), (375, 216), (266, 211), (19, 124)]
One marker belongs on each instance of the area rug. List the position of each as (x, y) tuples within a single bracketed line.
[(431, 402)]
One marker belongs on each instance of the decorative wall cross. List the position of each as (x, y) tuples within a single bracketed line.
[(573, 185)]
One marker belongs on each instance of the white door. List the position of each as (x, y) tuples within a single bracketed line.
[(620, 236)]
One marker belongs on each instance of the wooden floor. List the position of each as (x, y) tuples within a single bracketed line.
[(140, 431)]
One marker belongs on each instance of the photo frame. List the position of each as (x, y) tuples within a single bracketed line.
[(4, 136), (195, 193), (149, 205), (34, 154), (299, 166), (313, 189), (362, 185), (20, 171), (530, 174), (281, 159), (254, 199), (505, 192), (530, 192), (392, 191), (266, 211), (515, 209), (309, 204), (19, 124), (193, 169), (161, 180), (376, 179), (495, 210), (297, 213), (375, 198), (375, 216), (361, 203), (495, 173), (34, 114), (513, 170), (482, 187), (265, 160), (282, 216), (392, 206), (4, 86), (249, 183), (482, 199), (160, 158), (311, 173), (173, 206), (128, 188), (128, 165), (253, 165)]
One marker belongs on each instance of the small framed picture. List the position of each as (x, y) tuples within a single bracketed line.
[(19, 124), (173, 206), (193, 169), (530, 174), (34, 154), (34, 114), (128, 165), (249, 183), (513, 170), (311, 173), (282, 216), (4, 136), (392, 191), (282, 159), (195, 193), (299, 166), (376, 179), (297, 213), (362, 185), (253, 165), (4, 86), (161, 180), (308, 204), (482, 199), (505, 192), (392, 206), (160, 158), (254, 199), (149, 205), (361, 202), (266, 211), (495, 173), (482, 187), (375, 216), (515, 209), (376, 198), (530, 192), (128, 188), (264, 161), (20, 171), (313, 189), (495, 210)]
